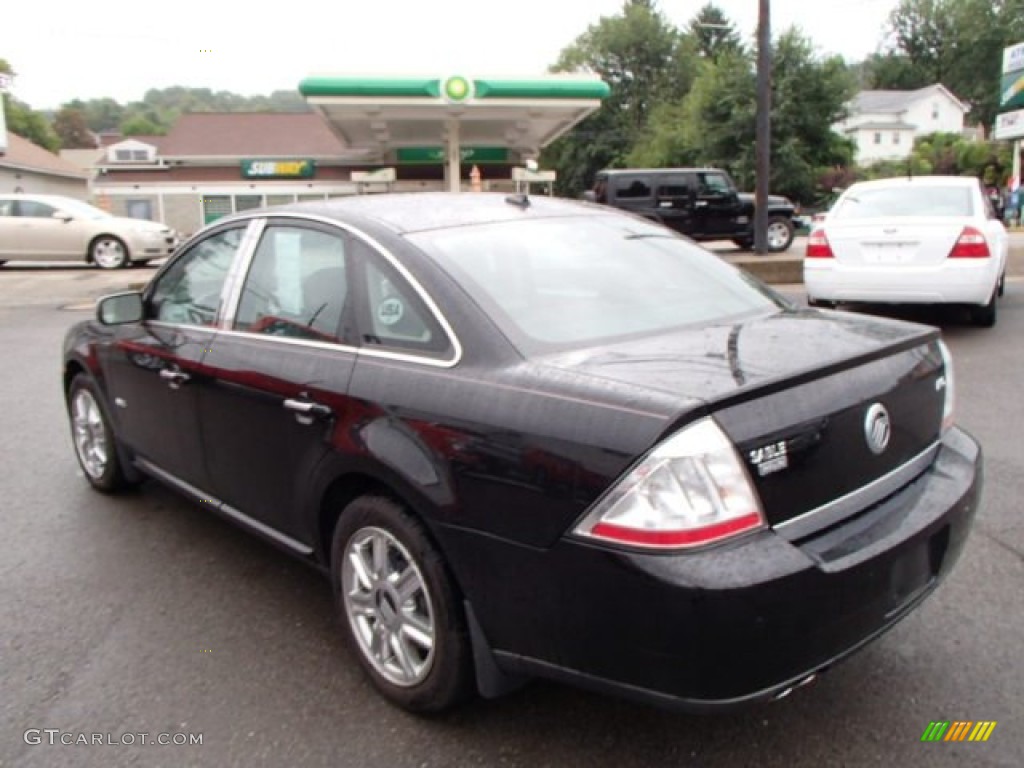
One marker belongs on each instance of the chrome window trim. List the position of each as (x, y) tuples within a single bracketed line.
[(294, 341), (231, 307), (232, 295), (838, 509)]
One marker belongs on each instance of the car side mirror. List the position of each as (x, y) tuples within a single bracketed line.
[(120, 308), (62, 215)]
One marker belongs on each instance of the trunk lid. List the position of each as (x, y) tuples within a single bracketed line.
[(799, 395), (908, 242)]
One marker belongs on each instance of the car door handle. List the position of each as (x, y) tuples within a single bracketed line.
[(308, 408), (174, 377)]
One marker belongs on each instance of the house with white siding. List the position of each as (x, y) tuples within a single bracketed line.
[(884, 124)]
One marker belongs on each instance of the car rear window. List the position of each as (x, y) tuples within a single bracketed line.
[(576, 281), (906, 200)]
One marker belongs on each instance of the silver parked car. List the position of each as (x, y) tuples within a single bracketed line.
[(54, 228)]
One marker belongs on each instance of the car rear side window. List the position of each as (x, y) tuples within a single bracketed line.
[(297, 285), (394, 316), (189, 292), (907, 200), (574, 281), (632, 187)]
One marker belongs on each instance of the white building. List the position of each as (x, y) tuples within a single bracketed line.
[(884, 124)]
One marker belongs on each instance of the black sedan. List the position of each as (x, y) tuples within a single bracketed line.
[(532, 437)]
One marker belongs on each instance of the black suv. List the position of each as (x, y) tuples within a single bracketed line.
[(701, 203)]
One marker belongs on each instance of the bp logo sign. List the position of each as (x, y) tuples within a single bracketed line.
[(457, 88)]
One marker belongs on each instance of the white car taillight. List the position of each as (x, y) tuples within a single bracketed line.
[(818, 246), (692, 489), (970, 245), (950, 391)]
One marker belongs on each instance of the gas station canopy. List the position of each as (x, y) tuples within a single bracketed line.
[(392, 117)]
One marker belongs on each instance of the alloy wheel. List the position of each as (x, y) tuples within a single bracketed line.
[(778, 235), (109, 253), (389, 606), (89, 433)]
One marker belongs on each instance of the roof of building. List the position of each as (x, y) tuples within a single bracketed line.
[(249, 134), (881, 125), (894, 102), (22, 154)]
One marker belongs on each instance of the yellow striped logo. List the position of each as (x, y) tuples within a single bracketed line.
[(958, 730)]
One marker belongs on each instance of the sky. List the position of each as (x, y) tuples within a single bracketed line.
[(63, 50)]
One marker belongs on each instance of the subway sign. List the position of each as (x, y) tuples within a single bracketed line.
[(278, 169)]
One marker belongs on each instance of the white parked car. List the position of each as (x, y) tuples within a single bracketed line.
[(53, 228), (921, 240)]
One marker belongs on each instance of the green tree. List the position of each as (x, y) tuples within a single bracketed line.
[(645, 61), (140, 125), (715, 124), (713, 33), (25, 121), (893, 72), (69, 124), (957, 43)]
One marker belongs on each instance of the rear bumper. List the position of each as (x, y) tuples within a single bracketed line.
[(957, 281), (735, 624)]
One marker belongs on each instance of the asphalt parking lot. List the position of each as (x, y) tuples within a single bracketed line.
[(144, 614)]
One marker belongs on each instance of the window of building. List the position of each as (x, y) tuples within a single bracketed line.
[(248, 202), (215, 206), (935, 111), (896, 137), (280, 199), (878, 138), (139, 209)]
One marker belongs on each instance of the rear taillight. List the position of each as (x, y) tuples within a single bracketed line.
[(970, 245), (818, 246), (691, 490)]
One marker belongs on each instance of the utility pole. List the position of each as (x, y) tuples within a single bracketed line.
[(764, 126)]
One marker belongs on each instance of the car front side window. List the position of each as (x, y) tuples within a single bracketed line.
[(35, 210), (297, 285), (189, 292)]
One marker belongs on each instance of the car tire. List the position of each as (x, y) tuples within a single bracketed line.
[(780, 234), (398, 607), (984, 315), (745, 243), (93, 437), (109, 252)]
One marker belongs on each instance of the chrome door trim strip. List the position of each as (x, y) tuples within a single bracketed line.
[(838, 509), (240, 517)]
